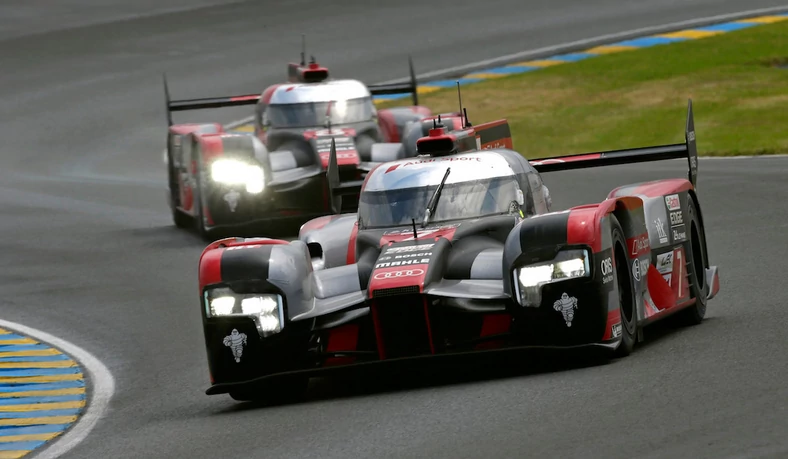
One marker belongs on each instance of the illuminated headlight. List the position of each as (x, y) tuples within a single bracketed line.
[(529, 279), (265, 309), (234, 172)]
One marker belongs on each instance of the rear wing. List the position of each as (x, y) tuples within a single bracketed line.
[(208, 102), (410, 87), (337, 188), (688, 150)]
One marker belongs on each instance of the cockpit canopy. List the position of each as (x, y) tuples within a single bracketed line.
[(310, 105), (480, 184)]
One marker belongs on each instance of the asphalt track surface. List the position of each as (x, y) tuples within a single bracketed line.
[(90, 255)]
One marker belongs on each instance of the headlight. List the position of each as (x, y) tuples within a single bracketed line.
[(568, 264), (265, 309), (235, 172)]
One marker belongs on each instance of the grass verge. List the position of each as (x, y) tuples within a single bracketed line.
[(639, 97)]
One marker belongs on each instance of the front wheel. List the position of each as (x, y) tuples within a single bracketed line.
[(626, 291), (206, 233), (696, 261)]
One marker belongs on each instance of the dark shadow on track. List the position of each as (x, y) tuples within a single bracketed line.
[(467, 370)]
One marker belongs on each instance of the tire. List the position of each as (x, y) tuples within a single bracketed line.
[(626, 291), (180, 219), (275, 392), (204, 232), (696, 267)]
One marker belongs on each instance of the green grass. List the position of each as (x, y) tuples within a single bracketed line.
[(639, 98)]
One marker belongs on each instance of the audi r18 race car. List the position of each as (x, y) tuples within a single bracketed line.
[(225, 179), (455, 251)]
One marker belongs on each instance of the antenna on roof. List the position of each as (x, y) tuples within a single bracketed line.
[(440, 124), (303, 50), (312, 60), (465, 122), (415, 233)]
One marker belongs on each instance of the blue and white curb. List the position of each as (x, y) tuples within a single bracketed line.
[(42, 393)]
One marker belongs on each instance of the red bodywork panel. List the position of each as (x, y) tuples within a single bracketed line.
[(210, 259)]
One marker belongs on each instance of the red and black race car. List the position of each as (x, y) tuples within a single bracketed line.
[(225, 179), (457, 250)]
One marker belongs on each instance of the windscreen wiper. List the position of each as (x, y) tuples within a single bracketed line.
[(434, 199)]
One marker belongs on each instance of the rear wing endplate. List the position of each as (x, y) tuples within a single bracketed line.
[(410, 87), (208, 102), (337, 188), (688, 150)]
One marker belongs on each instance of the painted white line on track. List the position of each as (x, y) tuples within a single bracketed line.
[(102, 388)]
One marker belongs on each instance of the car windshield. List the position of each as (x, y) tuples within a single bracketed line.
[(470, 199), (312, 114)]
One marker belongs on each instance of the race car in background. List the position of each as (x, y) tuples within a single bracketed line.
[(455, 251), (222, 179)]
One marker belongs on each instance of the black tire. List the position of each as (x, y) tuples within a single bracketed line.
[(626, 291), (275, 392), (205, 233), (696, 267), (180, 219)]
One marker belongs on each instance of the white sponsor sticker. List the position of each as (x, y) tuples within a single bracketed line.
[(616, 330), (672, 201), (665, 262)]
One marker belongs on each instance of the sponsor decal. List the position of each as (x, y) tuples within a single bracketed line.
[(496, 144), (640, 245), (410, 248), (616, 330), (390, 264), (691, 137), (566, 305), (640, 268), (340, 155), (607, 270), (665, 263), (679, 234), (672, 201), (432, 160), (413, 255), (331, 133), (404, 235), (231, 198), (676, 218), (399, 274), (236, 342), (660, 226)]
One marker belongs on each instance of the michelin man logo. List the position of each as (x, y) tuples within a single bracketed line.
[(566, 305), (236, 342), (231, 198)]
